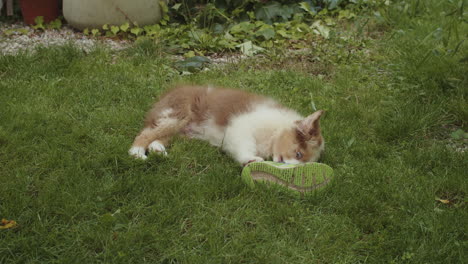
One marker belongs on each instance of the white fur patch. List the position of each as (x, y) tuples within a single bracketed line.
[(256, 159), (157, 146), (137, 152), (292, 161), (251, 134), (209, 131), (166, 112), (317, 154), (167, 122), (276, 159)]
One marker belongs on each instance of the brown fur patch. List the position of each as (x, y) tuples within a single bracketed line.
[(301, 138), (202, 102), (225, 103), (180, 100), (293, 140)]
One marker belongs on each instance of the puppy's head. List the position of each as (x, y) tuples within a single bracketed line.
[(301, 143)]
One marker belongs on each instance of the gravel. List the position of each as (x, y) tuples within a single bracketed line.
[(15, 38)]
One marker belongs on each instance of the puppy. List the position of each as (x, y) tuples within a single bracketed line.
[(249, 127)]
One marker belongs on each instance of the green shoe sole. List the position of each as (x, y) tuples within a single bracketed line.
[(300, 178)]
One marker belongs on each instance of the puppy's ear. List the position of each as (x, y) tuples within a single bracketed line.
[(309, 127)]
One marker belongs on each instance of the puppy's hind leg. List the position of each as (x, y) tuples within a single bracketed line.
[(156, 136), (158, 146), (141, 142)]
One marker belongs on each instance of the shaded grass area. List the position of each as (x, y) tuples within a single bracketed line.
[(68, 118)]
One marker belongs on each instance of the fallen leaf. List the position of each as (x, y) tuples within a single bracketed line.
[(444, 201), (7, 224)]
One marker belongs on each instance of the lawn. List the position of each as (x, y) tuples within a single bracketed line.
[(395, 93)]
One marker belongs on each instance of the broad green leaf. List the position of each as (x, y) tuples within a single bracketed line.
[(218, 28), (152, 30), (105, 27), (136, 31), (39, 20), (459, 134), (320, 29), (251, 15), (346, 14), (267, 33), (95, 32), (243, 27), (249, 49), (195, 34), (125, 27), (189, 54), (192, 64), (228, 36), (164, 7), (267, 44), (305, 6), (224, 43), (308, 8), (329, 21), (115, 29), (332, 4), (55, 24), (283, 33), (176, 6), (200, 59), (274, 10), (39, 23), (23, 31), (106, 219), (9, 32)]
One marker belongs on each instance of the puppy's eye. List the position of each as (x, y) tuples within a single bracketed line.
[(298, 155)]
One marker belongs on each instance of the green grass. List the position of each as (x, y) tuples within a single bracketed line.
[(68, 119)]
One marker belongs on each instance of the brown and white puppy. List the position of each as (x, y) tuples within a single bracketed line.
[(250, 127)]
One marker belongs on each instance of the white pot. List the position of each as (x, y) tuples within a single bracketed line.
[(90, 14)]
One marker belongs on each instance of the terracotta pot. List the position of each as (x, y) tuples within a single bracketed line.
[(49, 9)]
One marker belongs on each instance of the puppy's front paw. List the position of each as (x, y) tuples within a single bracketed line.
[(158, 147), (253, 159), (137, 152)]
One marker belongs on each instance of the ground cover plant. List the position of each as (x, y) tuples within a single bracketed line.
[(206, 27), (394, 85)]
